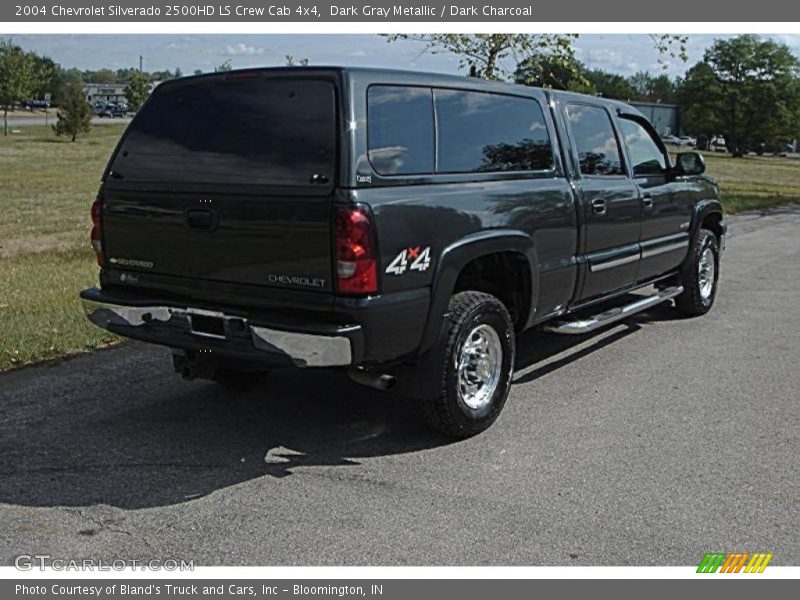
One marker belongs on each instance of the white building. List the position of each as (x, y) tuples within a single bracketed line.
[(104, 92)]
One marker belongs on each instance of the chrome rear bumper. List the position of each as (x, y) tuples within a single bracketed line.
[(305, 349)]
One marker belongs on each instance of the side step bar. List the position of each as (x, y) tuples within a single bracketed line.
[(613, 315)]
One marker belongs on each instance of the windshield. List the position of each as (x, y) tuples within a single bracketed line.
[(235, 131)]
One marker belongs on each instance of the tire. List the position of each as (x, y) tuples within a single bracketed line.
[(700, 285), (474, 385)]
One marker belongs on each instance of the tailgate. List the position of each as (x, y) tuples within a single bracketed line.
[(227, 178)]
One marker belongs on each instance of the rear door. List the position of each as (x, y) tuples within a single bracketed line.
[(609, 202), (227, 178)]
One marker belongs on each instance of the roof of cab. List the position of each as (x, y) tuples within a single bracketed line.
[(398, 76)]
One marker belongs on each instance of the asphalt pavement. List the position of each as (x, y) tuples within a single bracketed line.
[(648, 443)]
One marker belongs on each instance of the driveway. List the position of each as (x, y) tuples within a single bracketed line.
[(645, 444)]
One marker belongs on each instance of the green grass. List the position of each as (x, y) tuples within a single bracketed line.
[(755, 182), (47, 185)]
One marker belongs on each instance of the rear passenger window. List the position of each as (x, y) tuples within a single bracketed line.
[(481, 132), (598, 150), (400, 129)]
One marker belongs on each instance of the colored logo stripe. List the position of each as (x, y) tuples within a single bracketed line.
[(711, 562), (758, 563), (732, 562)]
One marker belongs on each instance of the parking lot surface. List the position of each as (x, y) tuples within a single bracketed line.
[(648, 443)]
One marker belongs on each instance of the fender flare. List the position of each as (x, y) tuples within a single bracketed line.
[(700, 211), (460, 253)]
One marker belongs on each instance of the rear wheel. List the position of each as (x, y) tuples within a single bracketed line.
[(479, 359), (700, 276)]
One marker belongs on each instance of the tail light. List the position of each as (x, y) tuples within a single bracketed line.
[(356, 251), (97, 243)]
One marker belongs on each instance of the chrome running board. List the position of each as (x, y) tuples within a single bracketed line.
[(613, 315)]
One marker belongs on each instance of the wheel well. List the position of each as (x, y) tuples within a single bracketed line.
[(505, 275), (713, 222)]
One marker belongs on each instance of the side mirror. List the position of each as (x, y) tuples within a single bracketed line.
[(690, 163)]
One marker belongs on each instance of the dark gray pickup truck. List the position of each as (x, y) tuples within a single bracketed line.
[(403, 226)]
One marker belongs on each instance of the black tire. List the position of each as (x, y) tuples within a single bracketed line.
[(695, 300), (448, 412)]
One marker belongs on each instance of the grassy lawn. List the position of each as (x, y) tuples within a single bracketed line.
[(754, 182), (47, 185)]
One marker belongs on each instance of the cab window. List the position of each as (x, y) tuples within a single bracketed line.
[(400, 129), (643, 151), (595, 141)]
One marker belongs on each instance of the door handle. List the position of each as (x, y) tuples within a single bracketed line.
[(599, 206), (647, 200)]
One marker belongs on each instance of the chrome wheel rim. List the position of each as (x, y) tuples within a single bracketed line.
[(705, 273), (479, 365)]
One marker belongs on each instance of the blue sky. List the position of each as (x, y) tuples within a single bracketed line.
[(620, 53)]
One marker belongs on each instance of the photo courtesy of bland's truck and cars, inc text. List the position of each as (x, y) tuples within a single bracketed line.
[(398, 299)]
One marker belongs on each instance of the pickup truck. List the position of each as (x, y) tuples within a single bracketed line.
[(402, 226)]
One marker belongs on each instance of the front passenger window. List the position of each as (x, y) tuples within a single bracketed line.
[(645, 155)]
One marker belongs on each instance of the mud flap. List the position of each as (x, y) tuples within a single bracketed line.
[(422, 379)]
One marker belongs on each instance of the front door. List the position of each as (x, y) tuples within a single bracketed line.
[(665, 200), (609, 202)]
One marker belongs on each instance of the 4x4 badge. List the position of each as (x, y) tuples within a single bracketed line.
[(418, 257)]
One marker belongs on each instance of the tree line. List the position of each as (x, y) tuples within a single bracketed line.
[(745, 88)]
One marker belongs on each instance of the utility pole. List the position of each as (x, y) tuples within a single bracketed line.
[(140, 63)]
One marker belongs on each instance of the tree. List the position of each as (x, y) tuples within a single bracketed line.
[(488, 55), (126, 73), (670, 46), (137, 90), (178, 72), (60, 81), (226, 66), (103, 76), (74, 113), (748, 89), (45, 70), (198, 72), (652, 88), (160, 75), (663, 89), (22, 74), (291, 61), (700, 97), (554, 72), (610, 85)]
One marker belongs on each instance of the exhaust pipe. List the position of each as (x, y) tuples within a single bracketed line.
[(377, 381)]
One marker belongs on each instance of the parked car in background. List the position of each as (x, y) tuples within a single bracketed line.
[(36, 105), (114, 110), (718, 144), (671, 140), (687, 140)]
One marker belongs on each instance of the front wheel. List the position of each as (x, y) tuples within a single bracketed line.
[(479, 360), (700, 276)]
